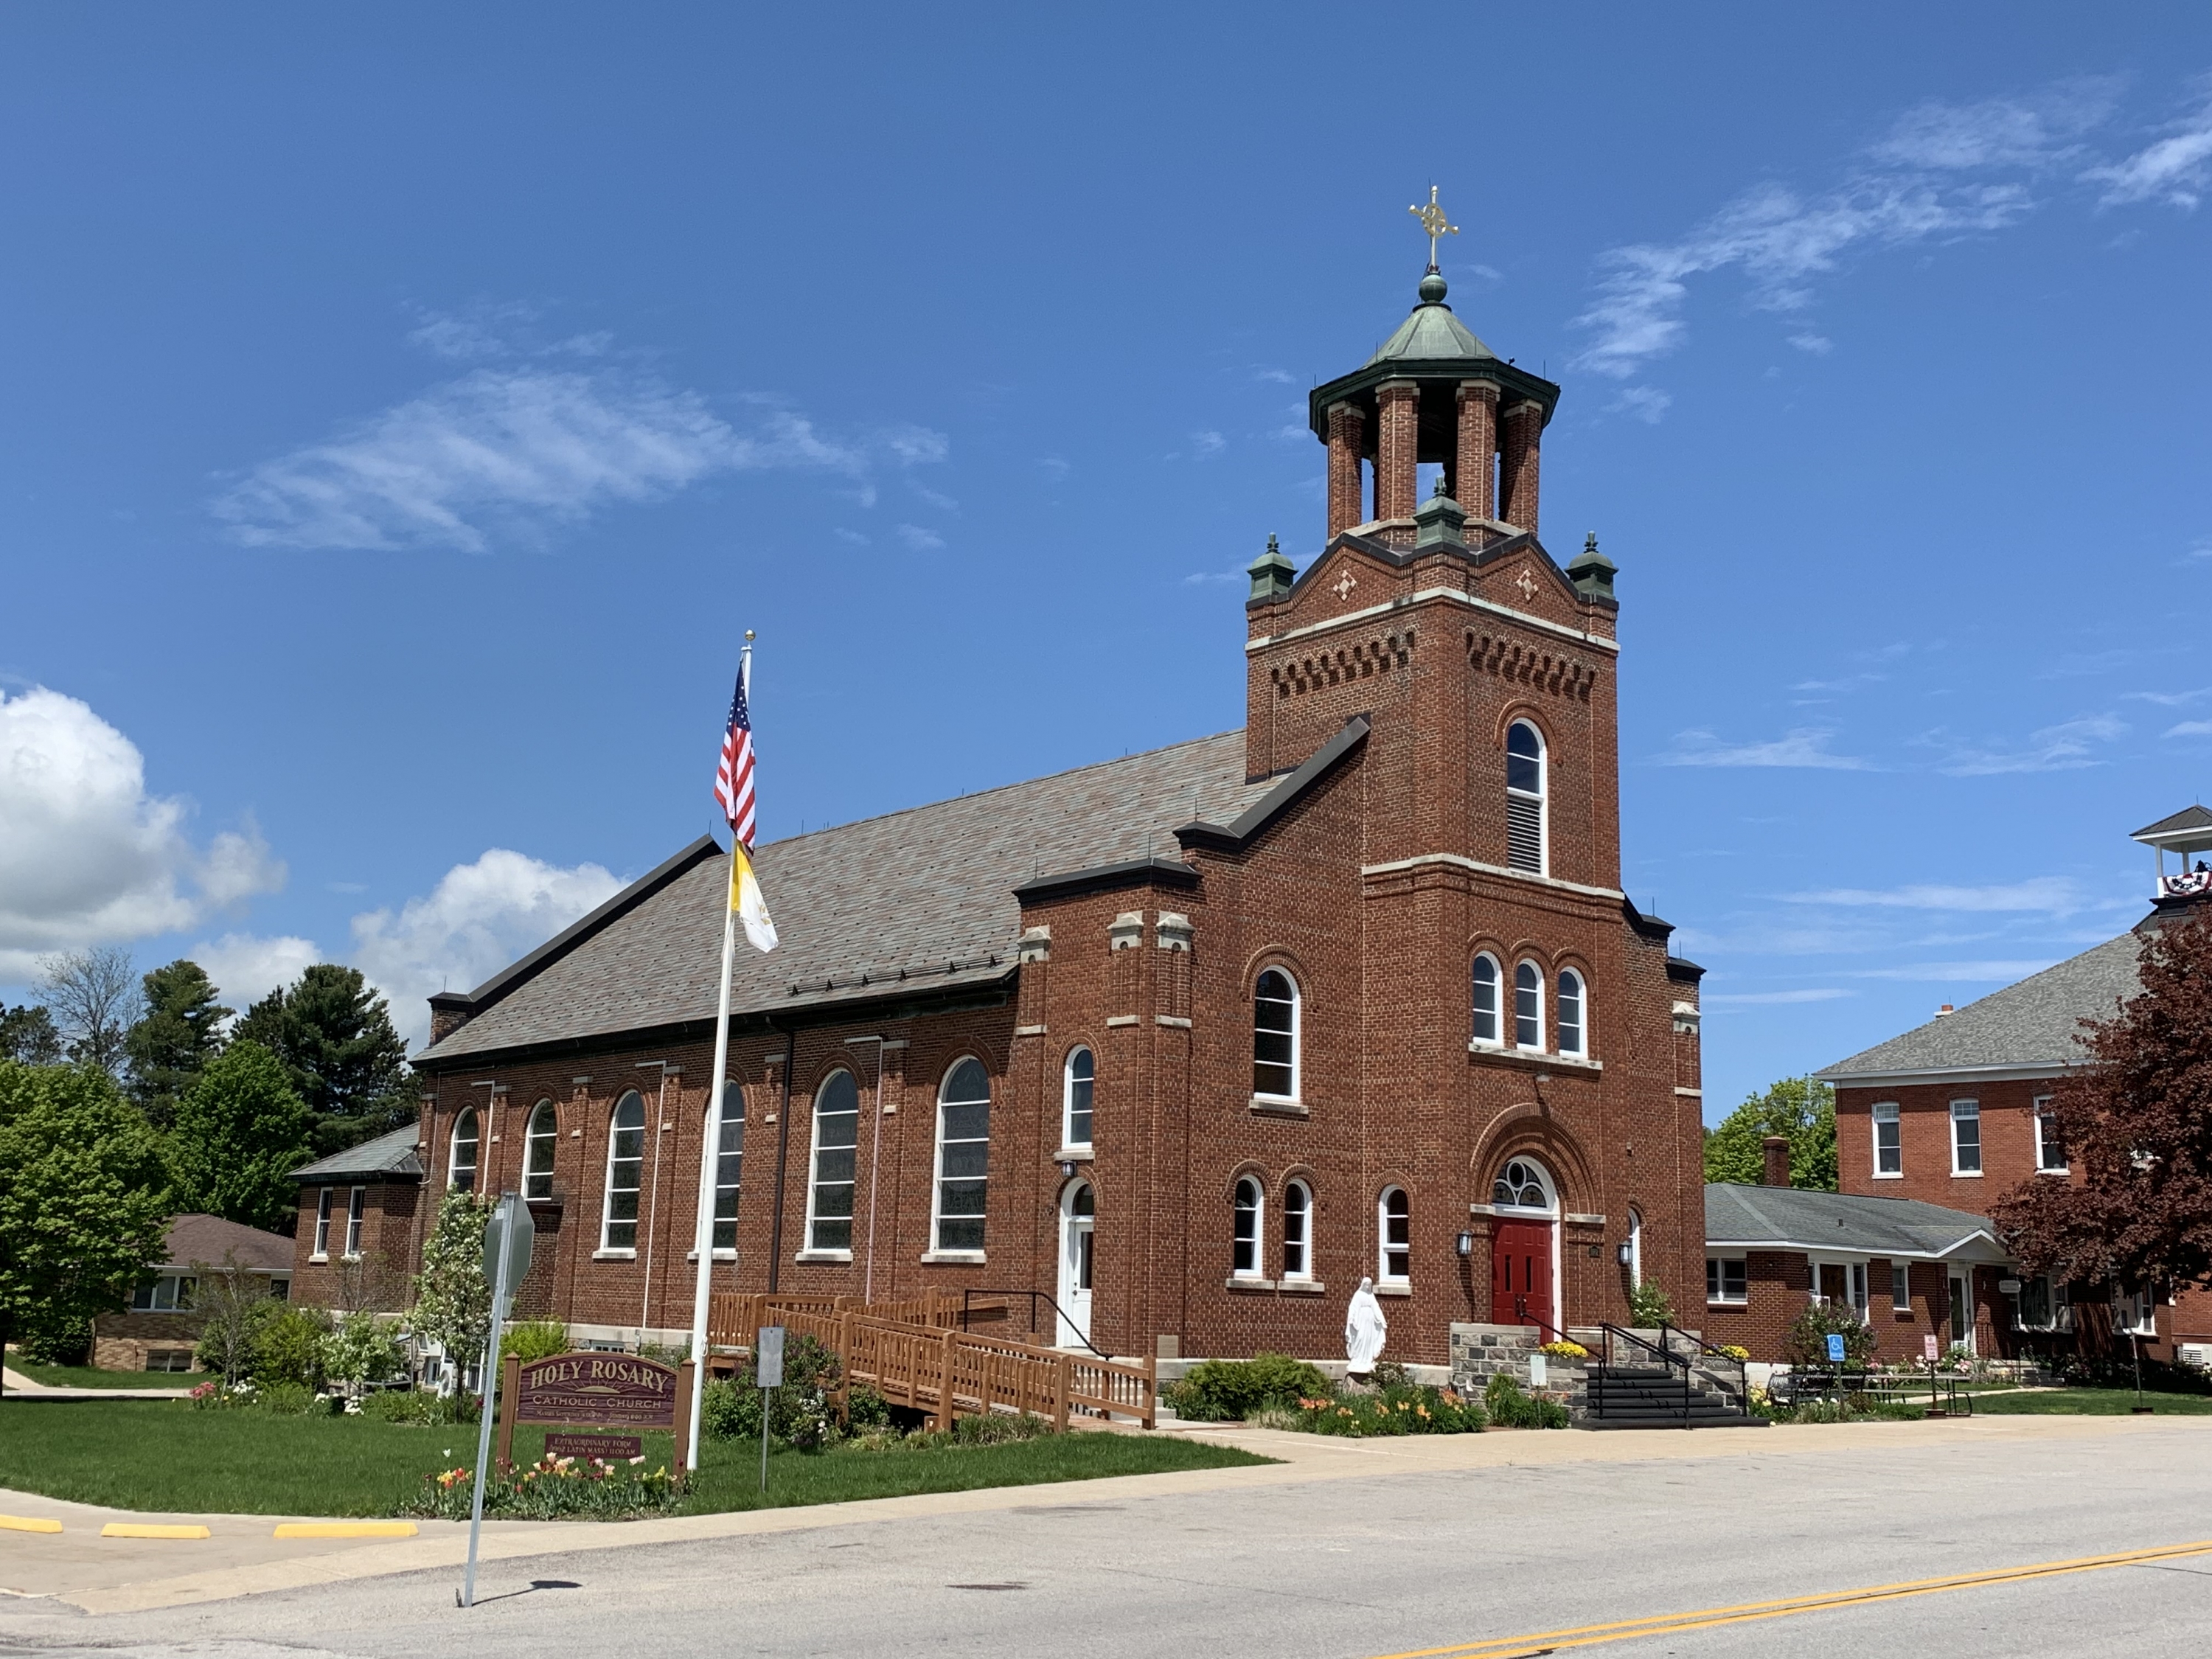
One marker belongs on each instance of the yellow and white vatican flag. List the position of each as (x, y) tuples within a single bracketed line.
[(745, 898)]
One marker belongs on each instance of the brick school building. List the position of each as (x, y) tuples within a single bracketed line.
[(1188, 1042)]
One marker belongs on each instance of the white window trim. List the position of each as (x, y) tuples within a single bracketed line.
[(1383, 1274), (453, 1150), (1259, 1267), (1958, 1174), (322, 1250), (356, 1201), (809, 1251), (1543, 796), (1874, 1120), (732, 1093), (531, 1138), (1305, 1244), (1069, 1145), (2041, 1166), (1297, 1034), (937, 1252), (1859, 1270), (1501, 1015), (1897, 1267), (1538, 1047), (608, 1250), (1721, 1299), (1581, 1051)]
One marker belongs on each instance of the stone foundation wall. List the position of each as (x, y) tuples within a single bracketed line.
[(1480, 1353)]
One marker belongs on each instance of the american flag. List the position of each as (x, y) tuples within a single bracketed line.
[(733, 776)]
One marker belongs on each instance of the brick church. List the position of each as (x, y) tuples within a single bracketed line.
[(1190, 1042)]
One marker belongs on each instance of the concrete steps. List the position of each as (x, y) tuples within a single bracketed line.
[(1651, 1397)]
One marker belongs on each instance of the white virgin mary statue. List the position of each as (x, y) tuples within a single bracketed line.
[(1365, 1329)]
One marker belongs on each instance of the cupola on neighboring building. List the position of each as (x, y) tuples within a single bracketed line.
[(1433, 392), (2188, 835)]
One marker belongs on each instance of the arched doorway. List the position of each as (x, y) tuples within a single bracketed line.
[(1078, 1210), (1524, 1245)]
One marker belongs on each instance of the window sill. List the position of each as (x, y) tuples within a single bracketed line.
[(808, 1256), (1889, 1175), (614, 1255), (719, 1256), (1723, 1302), (320, 1259), (969, 1257), (1535, 1059), (1301, 1286), (1239, 1282), (2062, 1175), (548, 1202), (1966, 1174), (1397, 1288), (1280, 1106), (1073, 1154)]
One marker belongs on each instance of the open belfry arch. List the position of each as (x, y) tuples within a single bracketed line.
[(1178, 1048)]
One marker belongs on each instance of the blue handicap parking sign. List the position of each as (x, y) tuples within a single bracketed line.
[(1835, 1349)]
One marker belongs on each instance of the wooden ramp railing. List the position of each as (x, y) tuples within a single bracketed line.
[(913, 1354)]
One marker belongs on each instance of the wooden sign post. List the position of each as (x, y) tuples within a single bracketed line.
[(596, 1391)]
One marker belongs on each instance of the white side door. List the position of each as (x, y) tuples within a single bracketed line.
[(1078, 1218)]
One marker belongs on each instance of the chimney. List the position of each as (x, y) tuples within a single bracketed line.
[(1944, 1010), (1778, 1161)]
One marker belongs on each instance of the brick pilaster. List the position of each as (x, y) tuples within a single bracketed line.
[(1474, 481), (1348, 438), (1517, 469), (1396, 449)]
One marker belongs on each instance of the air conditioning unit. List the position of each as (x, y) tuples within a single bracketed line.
[(2195, 1353)]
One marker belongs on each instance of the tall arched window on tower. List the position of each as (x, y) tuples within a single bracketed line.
[(1529, 1006), (540, 1140), (1078, 1078), (1275, 1036), (1393, 1225), (625, 1173), (1525, 828), (1488, 985), (461, 1163), (1244, 1247), (964, 1155), (836, 1136), (729, 1167), (1573, 1015), (1297, 1229)]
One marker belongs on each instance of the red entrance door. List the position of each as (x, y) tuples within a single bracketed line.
[(1520, 1272)]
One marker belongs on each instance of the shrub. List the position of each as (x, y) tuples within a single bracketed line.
[(800, 1413), (287, 1345), (420, 1408), (1390, 1374), (1509, 1407), (532, 1339), (866, 1409), (1405, 1409), (1807, 1343), (362, 1350), (56, 1340), (1228, 1390), (1648, 1304), (998, 1430), (291, 1400)]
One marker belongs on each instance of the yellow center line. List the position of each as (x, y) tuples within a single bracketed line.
[(1583, 1636)]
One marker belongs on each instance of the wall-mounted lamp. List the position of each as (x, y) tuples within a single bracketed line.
[(1067, 1172), (1465, 1244), (1624, 1253)]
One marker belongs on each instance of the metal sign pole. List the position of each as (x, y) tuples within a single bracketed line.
[(768, 1377), (508, 1239)]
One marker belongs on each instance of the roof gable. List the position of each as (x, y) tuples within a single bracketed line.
[(210, 1239)]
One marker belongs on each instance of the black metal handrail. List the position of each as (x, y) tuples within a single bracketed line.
[(1840, 1384), (1035, 1297), (1668, 1358), (1714, 1351), (1520, 1312)]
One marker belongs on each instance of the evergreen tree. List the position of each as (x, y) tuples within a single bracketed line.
[(84, 1202), (181, 1031), (29, 1035), (1736, 1149), (240, 1132), (334, 1034)]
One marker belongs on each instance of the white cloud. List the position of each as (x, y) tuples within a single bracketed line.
[(2174, 169), (1981, 972), (245, 967), (2188, 729), (1766, 998), (506, 452), (1275, 376), (2171, 699), (1205, 445), (852, 536), (2061, 748), (942, 503), (479, 918), (2045, 894), (1815, 345), (87, 855), (1647, 404), (1054, 469), (920, 540), (1998, 132), (1802, 747)]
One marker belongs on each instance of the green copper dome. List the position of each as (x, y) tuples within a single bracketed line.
[(1432, 334)]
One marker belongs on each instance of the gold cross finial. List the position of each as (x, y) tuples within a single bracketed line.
[(1433, 221)]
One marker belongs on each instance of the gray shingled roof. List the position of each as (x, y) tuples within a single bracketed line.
[(2027, 1025), (387, 1156), (1792, 1218), (209, 1238), (925, 897)]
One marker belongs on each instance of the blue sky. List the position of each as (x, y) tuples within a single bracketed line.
[(404, 413)]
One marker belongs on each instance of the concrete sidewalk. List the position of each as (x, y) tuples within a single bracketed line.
[(18, 1384), (99, 1575)]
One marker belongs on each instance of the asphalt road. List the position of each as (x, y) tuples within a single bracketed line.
[(1341, 1569)]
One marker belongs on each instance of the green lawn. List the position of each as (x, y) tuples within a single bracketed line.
[(2089, 1402), (84, 1377), (162, 1454)]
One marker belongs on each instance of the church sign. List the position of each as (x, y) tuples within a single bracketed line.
[(595, 1390)]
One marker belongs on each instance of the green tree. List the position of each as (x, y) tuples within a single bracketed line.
[(1736, 1149), (84, 1202), (453, 1302), (362, 1350), (240, 1132), (29, 1035), (172, 1042), (333, 1032)]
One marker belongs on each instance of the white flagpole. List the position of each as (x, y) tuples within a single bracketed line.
[(710, 1148)]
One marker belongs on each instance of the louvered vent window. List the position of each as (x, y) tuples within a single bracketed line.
[(1524, 799)]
